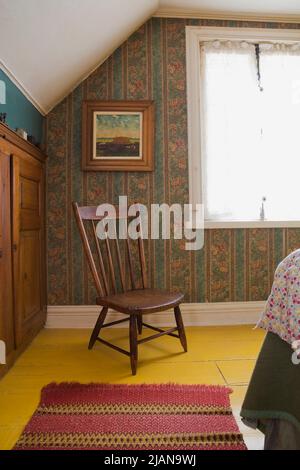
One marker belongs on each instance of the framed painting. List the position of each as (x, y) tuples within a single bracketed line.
[(117, 135)]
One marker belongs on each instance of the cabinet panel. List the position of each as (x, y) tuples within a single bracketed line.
[(6, 296), (29, 194), (30, 255)]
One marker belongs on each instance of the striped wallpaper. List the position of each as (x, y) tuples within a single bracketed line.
[(235, 264)]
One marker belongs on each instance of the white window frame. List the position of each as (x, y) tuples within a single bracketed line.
[(194, 36)]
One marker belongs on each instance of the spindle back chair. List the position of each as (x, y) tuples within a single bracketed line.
[(119, 289)]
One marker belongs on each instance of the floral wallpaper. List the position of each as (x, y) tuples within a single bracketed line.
[(235, 264)]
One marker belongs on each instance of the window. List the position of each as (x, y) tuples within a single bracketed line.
[(249, 150)]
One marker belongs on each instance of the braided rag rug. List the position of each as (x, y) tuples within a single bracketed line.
[(73, 416)]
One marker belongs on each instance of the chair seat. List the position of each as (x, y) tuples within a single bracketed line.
[(141, 301)]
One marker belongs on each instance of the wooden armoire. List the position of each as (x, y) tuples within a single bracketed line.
[(22, 243)]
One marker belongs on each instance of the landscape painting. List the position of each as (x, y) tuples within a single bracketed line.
[(117, 135)]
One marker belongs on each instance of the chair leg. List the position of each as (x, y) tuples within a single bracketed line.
[(133, 343), (140, 324), (180, 327), (98, 327)]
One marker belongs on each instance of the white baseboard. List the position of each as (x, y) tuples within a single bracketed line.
[(194, 314)]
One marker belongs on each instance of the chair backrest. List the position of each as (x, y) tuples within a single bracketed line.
[(105, 256)]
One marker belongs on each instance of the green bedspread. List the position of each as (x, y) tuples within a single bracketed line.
[(274, 389)]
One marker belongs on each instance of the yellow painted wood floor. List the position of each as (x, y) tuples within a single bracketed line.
[(217, 355)]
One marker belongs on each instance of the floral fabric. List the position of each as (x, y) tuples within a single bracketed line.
[(282, 312)]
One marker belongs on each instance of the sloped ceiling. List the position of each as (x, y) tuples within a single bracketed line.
[(48, 46)]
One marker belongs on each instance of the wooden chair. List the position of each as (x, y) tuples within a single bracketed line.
[(133, 302)]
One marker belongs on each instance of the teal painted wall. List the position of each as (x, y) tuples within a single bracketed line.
[(20, 112)]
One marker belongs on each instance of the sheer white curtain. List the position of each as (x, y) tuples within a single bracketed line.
[(280, 154), (250, 142)]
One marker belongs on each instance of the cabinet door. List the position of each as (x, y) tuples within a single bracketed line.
[(6, 298), (28, 248)]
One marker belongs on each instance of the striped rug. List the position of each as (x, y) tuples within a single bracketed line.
[(130, 417)]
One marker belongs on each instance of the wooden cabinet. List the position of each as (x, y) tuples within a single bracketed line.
[(22, 243)]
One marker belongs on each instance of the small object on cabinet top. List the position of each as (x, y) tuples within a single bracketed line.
[(22, 133)]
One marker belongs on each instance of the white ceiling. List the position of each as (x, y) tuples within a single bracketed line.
[(48, 46)]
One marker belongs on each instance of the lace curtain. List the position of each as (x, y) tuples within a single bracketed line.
[(250, 130)]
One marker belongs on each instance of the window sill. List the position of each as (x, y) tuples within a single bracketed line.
[(211, 224)]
